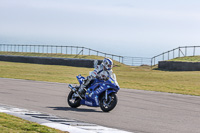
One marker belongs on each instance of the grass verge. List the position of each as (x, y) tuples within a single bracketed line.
[(12, 124), (51, 55), (187, 59), (143, 78)]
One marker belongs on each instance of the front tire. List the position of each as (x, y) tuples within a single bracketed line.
[(110, 104), (73, 101)]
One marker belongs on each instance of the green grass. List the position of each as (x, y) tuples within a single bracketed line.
[(187, 59), (12, 124), (142, 78), (52, 55)]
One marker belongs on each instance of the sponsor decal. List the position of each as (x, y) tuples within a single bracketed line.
[(99, 89), (88, 103), (96, 100)]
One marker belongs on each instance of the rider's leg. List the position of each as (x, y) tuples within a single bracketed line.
[(85, 83)]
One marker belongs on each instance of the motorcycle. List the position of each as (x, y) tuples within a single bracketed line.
[(99, 93)]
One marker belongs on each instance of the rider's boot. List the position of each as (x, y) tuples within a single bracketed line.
[(81, 90)]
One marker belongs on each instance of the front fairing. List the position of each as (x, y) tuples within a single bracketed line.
[(99, 86), (80, 79)]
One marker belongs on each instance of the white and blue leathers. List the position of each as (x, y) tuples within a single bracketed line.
[(99, 72)]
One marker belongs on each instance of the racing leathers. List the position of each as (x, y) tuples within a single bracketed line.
[(99, 72)]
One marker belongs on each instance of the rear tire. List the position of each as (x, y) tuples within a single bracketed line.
[(73, 102), (110, 104)]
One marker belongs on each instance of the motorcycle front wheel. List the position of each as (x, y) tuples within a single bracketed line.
[(110, 104), (73, 101)]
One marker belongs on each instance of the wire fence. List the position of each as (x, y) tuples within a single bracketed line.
[(137, 61), (177, 52), (73, 50)]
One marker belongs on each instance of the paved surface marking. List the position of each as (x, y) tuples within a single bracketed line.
[(137, 111), (63, 124)]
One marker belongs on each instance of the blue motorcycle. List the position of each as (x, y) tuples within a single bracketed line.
[(99, 93)]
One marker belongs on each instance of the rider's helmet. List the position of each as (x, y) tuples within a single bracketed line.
[(107, 63)]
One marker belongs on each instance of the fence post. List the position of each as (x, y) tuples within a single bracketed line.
[(185, 50), (71, 49), (168, 55), (163, 56), (82, 50), (8, 48), (194, 51), (179, 51), (89, 51)]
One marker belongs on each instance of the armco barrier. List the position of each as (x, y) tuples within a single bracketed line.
[(179, 66), (50, 60)]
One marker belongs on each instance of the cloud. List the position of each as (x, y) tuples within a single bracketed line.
[(122, 9), (127, 22)]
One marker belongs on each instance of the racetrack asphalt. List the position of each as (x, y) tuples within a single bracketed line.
[(137, 111)]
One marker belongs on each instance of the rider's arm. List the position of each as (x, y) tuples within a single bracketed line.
[(94, 73)]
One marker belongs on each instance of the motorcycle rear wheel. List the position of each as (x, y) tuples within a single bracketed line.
[(110, 104), (73, 102)]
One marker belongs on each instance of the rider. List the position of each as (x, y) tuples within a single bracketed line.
[(103, 72)]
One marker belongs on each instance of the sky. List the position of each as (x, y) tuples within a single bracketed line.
[(137, 28)]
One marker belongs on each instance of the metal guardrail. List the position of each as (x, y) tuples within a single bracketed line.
[(76, 50), (177, 52), (56, 49), (73, 50)]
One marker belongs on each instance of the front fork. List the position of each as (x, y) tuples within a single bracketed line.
[(106, 95)]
